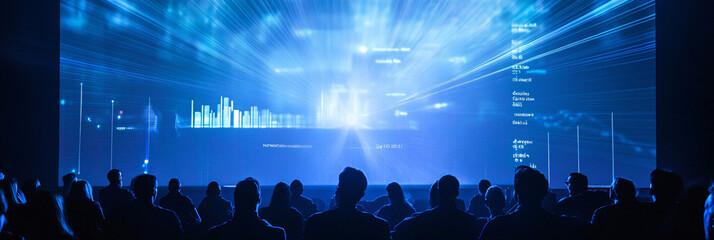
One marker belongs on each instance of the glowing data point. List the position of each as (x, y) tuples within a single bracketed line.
[(363, 49)]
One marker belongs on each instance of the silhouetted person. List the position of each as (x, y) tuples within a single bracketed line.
[(113, 196), (180, 204), (398, 209), (709, 215), (280, 214), (303, 204), (445, 221), (477, 206), (214, 209), (141, 219), (46, 218), (530, 220), (67, 181), (246, 224), (580, 202), (346, 222), (625, 219), (30, 188), (495, 201), (84, 215), (17, 214), (665, 187)]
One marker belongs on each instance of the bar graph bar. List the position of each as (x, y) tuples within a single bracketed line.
[(227, 115)]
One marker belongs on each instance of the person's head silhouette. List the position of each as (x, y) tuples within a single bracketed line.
[(665, 186), (30, 187), (114, 177), (495, 199), (623, 190), (174, 185), (145, 187), (213, 189), (577, 183), (447, 189), (395, 193), (483, 185), (247, 196), (530, 186), (296, 188), (48, 215), (69, 179), (281, 196), (350, 188), (81, 191)]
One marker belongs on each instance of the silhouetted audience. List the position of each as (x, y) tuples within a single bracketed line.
[(346, 222), (530, 220), (30, 188), (626, 218), (580, 202), (303, 204), (280, 214), (477, 205), (445, 221), (46, 218), (709, 215), (180, 204), (67, 181), (142, 219), (495, 201), (214, 209), (398, 209), (113, 196), (246, 224), (84, 215)]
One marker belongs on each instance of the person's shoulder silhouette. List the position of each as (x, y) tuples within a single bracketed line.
[(445, 221), (280, 214), (304, 205), (477, 205), (398, 209), (180, 204), (346, 222), (142, 219), (580, 202), (214, 209), (709, 215), (530, 220), (113, 196), (246, 224), (624, 219)]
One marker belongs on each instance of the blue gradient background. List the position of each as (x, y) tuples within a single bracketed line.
[(594, 58)]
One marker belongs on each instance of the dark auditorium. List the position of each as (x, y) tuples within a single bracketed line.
[(357, 120)]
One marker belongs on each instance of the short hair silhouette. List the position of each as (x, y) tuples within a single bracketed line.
[(665, 185), (448, 189), (495, 198), (395, 193), (296, 187), (623, 189), (114, 176), (81, 191), (213, 189), (483, 185), (530, 185), (144, 186), (174, 185), (69, 178), (577, 182), (281, 196), (351, 186), (30, 187), (247, 194)]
